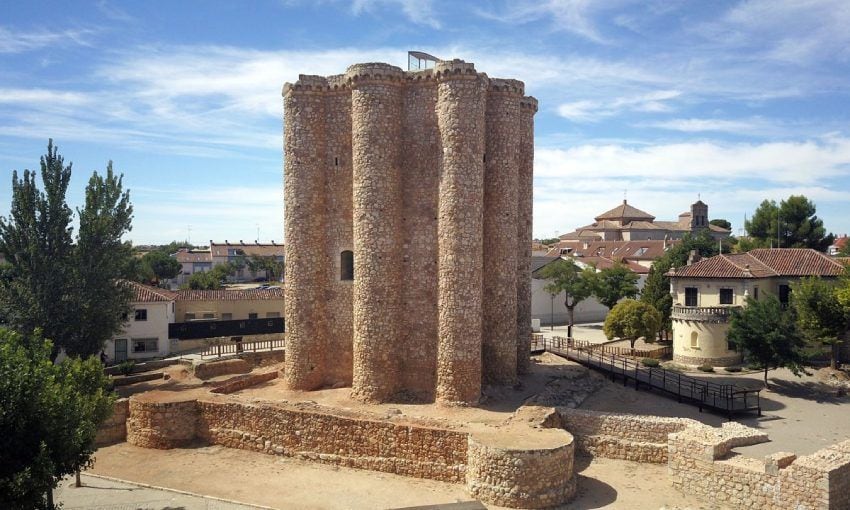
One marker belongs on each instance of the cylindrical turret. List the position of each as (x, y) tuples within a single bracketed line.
[(376, 111), (304, 168), (461, 107), (500, 232), (525, 186)]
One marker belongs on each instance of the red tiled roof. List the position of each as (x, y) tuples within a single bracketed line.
[(625, 211), (605, 263), (193, 256), (761, 263), (230, 295), (147, 294)]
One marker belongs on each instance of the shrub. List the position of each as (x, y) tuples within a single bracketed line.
[(705, 368), (126, 367), (650, 362), (732, 369)]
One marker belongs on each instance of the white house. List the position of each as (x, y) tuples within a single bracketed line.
[(145, 334)]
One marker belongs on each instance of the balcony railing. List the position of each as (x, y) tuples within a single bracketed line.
[(716, 314)]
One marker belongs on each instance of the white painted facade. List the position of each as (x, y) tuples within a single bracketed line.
[(144, 338)]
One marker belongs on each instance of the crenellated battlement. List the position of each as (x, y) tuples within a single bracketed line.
[(528, 103), (507, 86), (373, 72)]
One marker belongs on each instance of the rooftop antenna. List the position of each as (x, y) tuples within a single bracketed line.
[(419, 60), (189, 234), (625, 195)]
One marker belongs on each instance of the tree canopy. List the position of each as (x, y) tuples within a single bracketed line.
[(162, 265), (767, 334), (65, 288), (49, 419), (790, 224), (576, 283), (722, 223), (615, 283), (212, 279), (268, 263), (820, 315), (631, 320)]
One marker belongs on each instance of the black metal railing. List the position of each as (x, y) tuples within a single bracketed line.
[(726, 398)]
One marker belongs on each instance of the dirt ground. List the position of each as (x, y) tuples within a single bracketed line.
[(281, 482), (800, 415)]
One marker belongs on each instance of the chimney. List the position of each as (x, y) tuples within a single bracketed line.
[(242, 242), (693, 256)]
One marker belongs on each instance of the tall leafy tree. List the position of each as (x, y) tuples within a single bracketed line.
[(768, 335), (162, 265), (722, 223), (630, 320), (71, 291), (576, 283), (268, 263), (793, 223), (820, 315), (656, 292), (49, 419), (615, 283)]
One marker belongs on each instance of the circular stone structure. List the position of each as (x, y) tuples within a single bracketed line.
[(161, 423), (527, 469)]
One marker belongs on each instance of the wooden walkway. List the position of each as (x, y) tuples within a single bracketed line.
[(726, 399)]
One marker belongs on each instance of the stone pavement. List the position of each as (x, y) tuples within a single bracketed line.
[(98, 493)]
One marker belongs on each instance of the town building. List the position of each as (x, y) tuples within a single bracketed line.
[(191, 262), (145, 334), (396, 185), (706, 292), (240, 253), (628, 223)]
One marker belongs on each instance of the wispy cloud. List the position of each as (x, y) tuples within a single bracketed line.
[(594, 110), (420, 12), (21, 41)]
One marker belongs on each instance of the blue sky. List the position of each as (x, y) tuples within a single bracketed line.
[(666, 101)]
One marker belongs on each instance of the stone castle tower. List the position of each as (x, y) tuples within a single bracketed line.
[(408, 203)]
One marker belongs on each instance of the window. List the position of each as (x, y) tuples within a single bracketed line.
[(141, 314), (691, 294), (784, 295), (756, 293), (145, 344), (641, 251), (209, 315), (189, 317), (726, 297), (272, 315), (694, 340), (227, 316), (346, 265), (252, 315)]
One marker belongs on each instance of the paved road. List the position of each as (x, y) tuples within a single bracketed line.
[(103, 494)]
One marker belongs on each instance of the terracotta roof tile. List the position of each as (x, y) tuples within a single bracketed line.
[(193, 256), (761, 263), (230, 295), (147, 294), (625, 211)]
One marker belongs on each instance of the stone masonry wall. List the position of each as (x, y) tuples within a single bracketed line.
[(622, 436), (392, 165), (209, 369), (161, 425), (240, 383), (701, 463), (114, 429)]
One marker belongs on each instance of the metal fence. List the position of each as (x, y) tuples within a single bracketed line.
[(219, 350)]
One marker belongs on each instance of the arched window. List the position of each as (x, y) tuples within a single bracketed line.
[(694, 340), (346, 265)]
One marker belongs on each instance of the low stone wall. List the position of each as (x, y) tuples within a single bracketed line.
[(145, 366), (133, 379), (162, 425), (526, 472), (114, 429), (726, 361), (264, 358), (314, 433), (240, 383), (701, 463), (622, 436), (210, 369)]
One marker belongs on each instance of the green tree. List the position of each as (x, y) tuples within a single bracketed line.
[(722, 223), (821, 318), (656, 292), (268, 263), (212, 280), (577, 284), (66, 289), (162, 265), (551, 240), (767, 334), (615, 283), (790, 224), (49, 419), (631, 320)]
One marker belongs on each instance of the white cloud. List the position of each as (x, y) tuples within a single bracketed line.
[(22, 41), (27, 97), (593, 110), (420, 12)]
